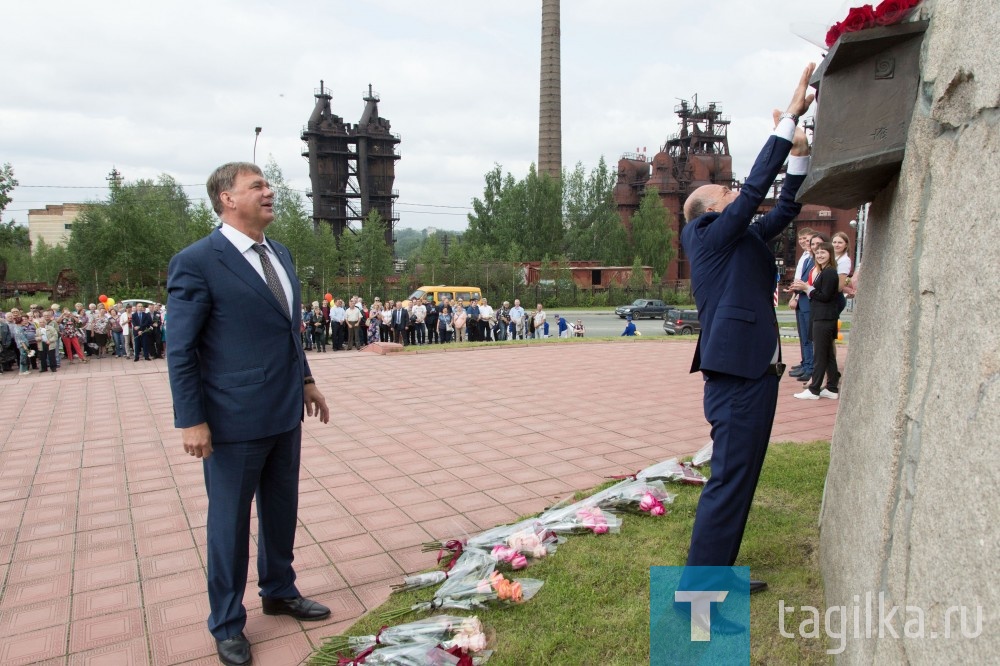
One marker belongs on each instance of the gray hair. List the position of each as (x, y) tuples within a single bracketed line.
[(222, 180)]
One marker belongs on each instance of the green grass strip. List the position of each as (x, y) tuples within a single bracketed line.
[(594, 607)]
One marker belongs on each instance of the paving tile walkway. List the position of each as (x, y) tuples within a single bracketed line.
[(102, 515)]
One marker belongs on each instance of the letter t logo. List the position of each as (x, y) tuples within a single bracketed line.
[(701, 610)]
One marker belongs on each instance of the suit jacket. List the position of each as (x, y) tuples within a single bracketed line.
[(732, 271), (236, 360), (803, 301), (825, 296), (141, 322)]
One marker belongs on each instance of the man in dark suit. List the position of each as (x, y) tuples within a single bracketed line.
[(733, 280), (240, 383), (142, 328)]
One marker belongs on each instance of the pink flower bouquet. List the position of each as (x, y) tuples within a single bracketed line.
[(579, 518), (634, 496)]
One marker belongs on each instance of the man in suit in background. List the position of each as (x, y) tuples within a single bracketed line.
[(142, 327), (240, 383), (738, 352)]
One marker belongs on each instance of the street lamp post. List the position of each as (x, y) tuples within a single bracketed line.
[(256, 134)]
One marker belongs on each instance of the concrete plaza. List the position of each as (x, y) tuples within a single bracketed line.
[(102, 514)]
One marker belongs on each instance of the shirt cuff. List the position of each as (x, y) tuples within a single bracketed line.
[(785, 129), (798, 165)]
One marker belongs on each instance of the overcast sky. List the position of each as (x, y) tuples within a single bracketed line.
[(178, 87)]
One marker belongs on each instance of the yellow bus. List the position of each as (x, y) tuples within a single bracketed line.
[(439, 292)]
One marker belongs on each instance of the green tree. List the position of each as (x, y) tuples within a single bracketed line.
[(47, 261), (7, 183), (521, 220), (130, 238), (374, 256), (637, 279), (593, 229), (327, 257), (431, 256), (652, 233)]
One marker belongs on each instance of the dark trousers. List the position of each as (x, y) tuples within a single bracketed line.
[(825, 350), (420, 332), (804, 326), (142, 345), (337, 330), (741, 412), (432, 332), (234, 473), (473, 328), (48, 356)]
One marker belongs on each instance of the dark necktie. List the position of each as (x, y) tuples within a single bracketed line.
[(271, 277)]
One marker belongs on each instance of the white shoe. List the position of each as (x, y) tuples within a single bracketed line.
[(829, 394), (25, 373), (806, 395)]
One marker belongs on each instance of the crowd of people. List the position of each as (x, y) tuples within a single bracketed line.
[(355, 324), (40, 337)]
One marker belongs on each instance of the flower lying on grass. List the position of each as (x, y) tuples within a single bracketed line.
[(472, 562), (449, 633), (528, 537), (637, 496), (468, 593), (668, 470)]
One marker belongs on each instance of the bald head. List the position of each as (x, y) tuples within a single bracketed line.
[(708, 198)]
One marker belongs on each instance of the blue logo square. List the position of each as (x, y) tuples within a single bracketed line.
[(699, 615)]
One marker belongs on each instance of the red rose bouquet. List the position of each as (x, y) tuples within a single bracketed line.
[(888, 12)]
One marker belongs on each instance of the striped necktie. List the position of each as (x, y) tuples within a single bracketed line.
[(271, 277)]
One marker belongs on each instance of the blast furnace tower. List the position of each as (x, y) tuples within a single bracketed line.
[(352, 168)]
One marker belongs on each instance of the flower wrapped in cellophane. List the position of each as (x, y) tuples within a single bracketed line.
[(526, 537), (457, 635), (579, 518), (493, 589), (703, 456), (408, 654), (471, 561), (635, 496), (668, 470)]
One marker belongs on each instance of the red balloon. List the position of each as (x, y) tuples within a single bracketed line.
[(328, 297), (103, 298)]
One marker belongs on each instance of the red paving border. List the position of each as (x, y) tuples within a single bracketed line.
[(102, 514)]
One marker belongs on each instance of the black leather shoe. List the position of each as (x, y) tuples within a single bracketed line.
[(805, 378), (234, 651), (757, 586), (300, 608), (797, 373)]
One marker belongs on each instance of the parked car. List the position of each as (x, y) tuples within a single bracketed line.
[(133, 302), (681, 322), (642, 307)]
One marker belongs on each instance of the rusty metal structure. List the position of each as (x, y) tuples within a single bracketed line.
[(698, 154), (352, 168)]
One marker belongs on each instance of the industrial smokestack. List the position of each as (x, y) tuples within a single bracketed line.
[(550, 97)]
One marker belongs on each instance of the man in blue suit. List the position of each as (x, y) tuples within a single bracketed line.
[(240, 383), (142, 329), (738, 352)]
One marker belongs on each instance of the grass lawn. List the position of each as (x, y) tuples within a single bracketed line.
[(594, 607)]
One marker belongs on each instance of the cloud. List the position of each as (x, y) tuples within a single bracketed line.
[(178, 88)]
